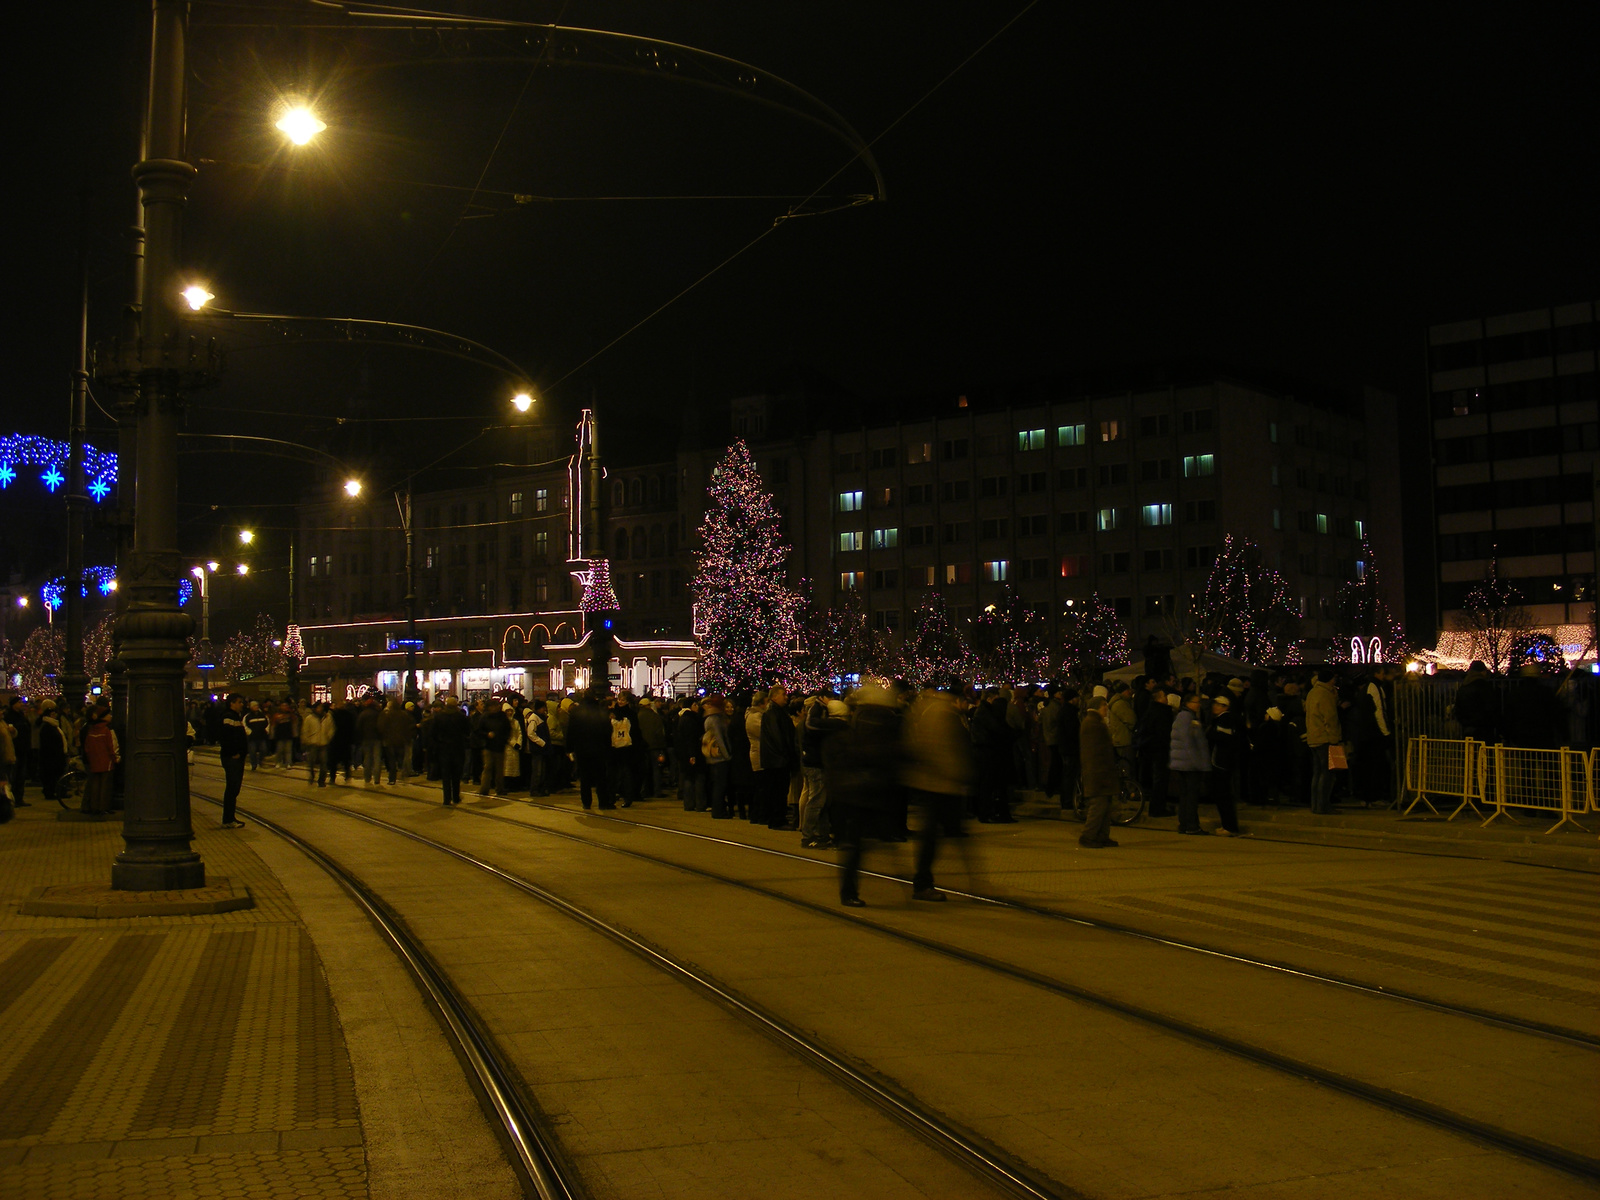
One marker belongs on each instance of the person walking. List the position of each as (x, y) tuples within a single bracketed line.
[(316, 732), (1323, 732), (780, 758), (100, 757), (1189, 760), (826, 718), (1100, 774), (691, 764), (283, 735), (623, 763), (717, 753), (233, 744), (396, 729), (369, 737), (589, 739), (862, 774), (449, 732), (937, 773), (258, 728), (342, 745), (991, 744)]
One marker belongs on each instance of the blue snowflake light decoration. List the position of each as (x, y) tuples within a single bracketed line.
[(185, 591), (29, 450)]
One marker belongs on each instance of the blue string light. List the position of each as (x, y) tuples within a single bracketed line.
[(30, 450), (105, 580)]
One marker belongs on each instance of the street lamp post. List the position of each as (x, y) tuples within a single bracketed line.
[(73, 682), (411, 690), (160, 366)]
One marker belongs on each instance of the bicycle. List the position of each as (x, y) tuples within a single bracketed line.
[(69, 787), (1127, 804)]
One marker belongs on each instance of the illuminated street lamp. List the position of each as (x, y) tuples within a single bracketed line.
[(352, 488), (244, 568), (247, 536), (522, 401), (196, 297), (299, 124)]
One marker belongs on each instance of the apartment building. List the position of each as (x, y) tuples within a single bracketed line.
[(1127, 495), (1514, 407)]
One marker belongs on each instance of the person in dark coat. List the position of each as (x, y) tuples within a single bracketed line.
[(780, 757), (233, 745), (1071, 717), (22, 739), (1477, 705), (1101, 778), (862, 775), (1534, 716), (495, 731), (1152, 739), (449, 731), (341, 748), (690, 766), (741, 773), (52, 748), (1225, 736), (589, 740), (991, 747)]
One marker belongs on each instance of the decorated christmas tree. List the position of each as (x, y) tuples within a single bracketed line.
[(1247, 612), (249, 654), (746, 612), (1009, 642), (39, 662), (1093, 640), (1493, 618), (1364, 629), (933, 650)]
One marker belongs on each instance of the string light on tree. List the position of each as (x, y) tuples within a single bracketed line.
[(933, 651), (743, 599), (1362, 622), (598, 593), (1094, 640), (1247, 612)]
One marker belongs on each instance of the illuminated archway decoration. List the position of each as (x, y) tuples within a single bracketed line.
[(52, 457)]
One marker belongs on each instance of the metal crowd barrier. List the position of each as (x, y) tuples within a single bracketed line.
[(1502, 778)]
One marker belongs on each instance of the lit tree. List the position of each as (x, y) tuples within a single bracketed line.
[(1093, 640), (1247, 612), (851, 643), (1009, 641), (744, 604), (933, 650), (1493, 618), (251, 653), (1360, 612), (40, 660), (97, 648)]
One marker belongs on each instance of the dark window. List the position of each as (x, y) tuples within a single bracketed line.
[(1072, 522), (1456, 355), (919, 493), (1073, 477), (1113, 473), (995, 528), (1123, 606), (993, 486), (957, 531), (955, 448), (1158, 606), (850, 460), (1115, 564), (1030, 483), (888, 456), (1036, 525), (919, 535), (1156, 426), (1155, 468), (886, 579), (1510, 347), (1199, 558), (1197, 421), (1199, 510), (955, 489), (1158, 560)]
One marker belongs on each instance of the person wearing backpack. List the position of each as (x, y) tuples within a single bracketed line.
[(717, 754)]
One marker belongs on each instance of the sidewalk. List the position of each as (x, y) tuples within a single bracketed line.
[(1384, 828), (204, 1055)]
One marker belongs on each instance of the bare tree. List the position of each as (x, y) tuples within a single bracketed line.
[(1493, 619)]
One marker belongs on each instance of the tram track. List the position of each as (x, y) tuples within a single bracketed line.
[(1529, 1148), (536, 1151)]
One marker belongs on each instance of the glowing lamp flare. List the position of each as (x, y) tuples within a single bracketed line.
[(352, 488), (247, 536), (522, 401), (244, 568), (211, 566), (300, 125), (196, 297)]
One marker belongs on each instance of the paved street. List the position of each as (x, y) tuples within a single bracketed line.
[(258, 1049)]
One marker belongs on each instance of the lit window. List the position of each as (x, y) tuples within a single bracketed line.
[(1277, 518), (1110, 431), (1107, 519), (850, 540), (1272, 431), (313, 566), (920, 576), (849, 501), (885, 539), (849, 581), (958, 573), (516, 504), (541, 499), (1361, 528), (997, 571), (1322, 522), (1199, 466), (1157, 514), (1030, 439), (1070, 435)]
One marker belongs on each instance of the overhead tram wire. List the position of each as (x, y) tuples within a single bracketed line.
[(794, 211)]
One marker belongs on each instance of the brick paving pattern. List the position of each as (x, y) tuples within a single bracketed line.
[(193, 1055)]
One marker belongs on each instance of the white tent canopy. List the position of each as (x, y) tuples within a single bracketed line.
[(1188, 662)]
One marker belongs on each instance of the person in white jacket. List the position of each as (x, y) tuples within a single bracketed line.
[(316, 731)]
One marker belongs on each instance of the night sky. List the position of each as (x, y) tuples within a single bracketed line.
[(1102, 187)]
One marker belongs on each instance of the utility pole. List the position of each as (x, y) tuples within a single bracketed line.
[(412, 692), (73, 682), (158, 365)]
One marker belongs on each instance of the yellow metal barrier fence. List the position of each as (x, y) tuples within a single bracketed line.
[(1502, 778)]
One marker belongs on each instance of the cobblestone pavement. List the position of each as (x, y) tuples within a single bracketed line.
[(179, 1056)]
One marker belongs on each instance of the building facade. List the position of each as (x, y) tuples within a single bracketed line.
[(1514, 409), (1128, 496)]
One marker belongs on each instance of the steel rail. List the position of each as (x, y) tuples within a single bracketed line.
[(1557, 1033), (1532, 1149), (963, 1147), (535, 1157)]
